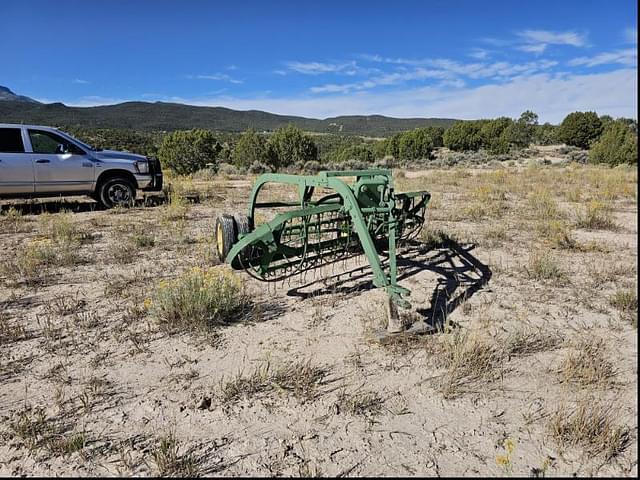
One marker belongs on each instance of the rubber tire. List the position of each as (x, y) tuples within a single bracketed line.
[(104, 200), (225, 234), (242, 225)]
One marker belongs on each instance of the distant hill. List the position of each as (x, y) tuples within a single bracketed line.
[(146, 116), (6, 94)]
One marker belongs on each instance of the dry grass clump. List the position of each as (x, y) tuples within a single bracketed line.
[(543, 265), (596, 216), (626, 302), (589, 425), (496, 234), (57, 247), (528, 340), (436, 238), (469, 360), (199, 299), (36, 431), (543, 205), (142, 239), (587, 364), (366, 404), (10, 331), (168, 460), (177, 209), (12, 220), (557, 234), (31, 262), (479, 210), (301, 379), (62, 230), (127, 250), (123, 252)]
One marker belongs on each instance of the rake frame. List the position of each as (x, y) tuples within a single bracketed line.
[(367, 212)]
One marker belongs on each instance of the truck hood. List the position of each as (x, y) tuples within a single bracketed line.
[(113, 155)]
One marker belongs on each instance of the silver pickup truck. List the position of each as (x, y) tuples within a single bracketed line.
[(38, 161)]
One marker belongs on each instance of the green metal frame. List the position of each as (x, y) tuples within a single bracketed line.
[(369, 204)]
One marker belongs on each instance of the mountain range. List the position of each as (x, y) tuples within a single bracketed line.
[(146, 116)]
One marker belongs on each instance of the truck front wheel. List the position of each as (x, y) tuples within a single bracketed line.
[(116, 191)]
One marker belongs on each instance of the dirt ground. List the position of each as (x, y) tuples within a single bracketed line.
[(527, 272)]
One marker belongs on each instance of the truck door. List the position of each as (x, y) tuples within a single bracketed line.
[(59, 165), (16, 168)]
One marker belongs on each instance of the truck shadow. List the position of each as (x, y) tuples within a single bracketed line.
[(50, 205), (460, 276)]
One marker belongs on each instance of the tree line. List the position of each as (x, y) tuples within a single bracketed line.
[(611, 141)]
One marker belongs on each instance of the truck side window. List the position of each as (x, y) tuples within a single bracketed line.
[(50, 143), (11, 140)]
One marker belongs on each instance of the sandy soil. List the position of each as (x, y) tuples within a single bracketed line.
[(78, 347)]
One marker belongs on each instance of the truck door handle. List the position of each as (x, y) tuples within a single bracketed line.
[(42, 160)]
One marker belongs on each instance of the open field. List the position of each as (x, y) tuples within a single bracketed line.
[(527, 271)]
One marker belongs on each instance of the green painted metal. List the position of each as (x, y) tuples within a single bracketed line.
[(365, 216)]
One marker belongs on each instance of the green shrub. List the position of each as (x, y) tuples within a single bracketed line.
[(617, 144), (290, 145), (250, 148), (493, 137), (198, 299), (545, 134), (186, 151), (414, 144), (360, 153), (463, 136), (580, 129)]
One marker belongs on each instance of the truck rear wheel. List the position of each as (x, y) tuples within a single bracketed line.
[(116, 191)]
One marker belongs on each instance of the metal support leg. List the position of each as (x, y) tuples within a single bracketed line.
[(394, 324)]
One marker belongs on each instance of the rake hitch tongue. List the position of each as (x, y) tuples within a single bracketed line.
[(331, 221)]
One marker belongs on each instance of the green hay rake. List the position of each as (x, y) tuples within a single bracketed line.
[(340, 221)]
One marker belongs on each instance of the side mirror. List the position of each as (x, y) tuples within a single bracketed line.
[(61, 148)]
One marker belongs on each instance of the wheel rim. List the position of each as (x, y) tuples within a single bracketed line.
[(220, 240), (119, 194)]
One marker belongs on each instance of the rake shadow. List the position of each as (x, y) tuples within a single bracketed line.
[(458, 270)]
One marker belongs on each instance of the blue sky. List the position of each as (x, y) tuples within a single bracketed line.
[(461, 59)]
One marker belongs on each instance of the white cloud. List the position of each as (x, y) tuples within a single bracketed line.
[(79, 81), (628, 57), (496, 70), (561, 38), (443, 68), (90, 101), (457, 83), (479, 53), (317, 68), (534, 48), (382, 80), (551, 96), (215, 76), (536, 41)]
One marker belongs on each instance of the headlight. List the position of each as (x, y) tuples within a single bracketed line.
[(142, 167)]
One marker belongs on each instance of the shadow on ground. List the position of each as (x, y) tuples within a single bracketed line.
[(63, 204), (460, 276)]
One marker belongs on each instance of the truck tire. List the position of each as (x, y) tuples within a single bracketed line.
[(116, 191), (225, 235)]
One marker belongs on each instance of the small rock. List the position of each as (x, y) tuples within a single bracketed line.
[(204, 403)]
